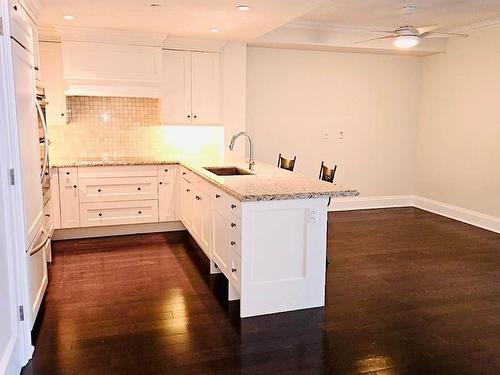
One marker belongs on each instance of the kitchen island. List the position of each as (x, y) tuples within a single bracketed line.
[(265, 230)]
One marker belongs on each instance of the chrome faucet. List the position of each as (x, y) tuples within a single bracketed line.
[(251, 161)]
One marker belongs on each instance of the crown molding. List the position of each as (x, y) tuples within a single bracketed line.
[(85, 34)]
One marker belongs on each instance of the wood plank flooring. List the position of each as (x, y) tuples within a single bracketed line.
[(408, 292)]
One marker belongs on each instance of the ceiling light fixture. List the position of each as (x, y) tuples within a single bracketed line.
[(406, 41), (215, 30), (243, 8), (69, 18)]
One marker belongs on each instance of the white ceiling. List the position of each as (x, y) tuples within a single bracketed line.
[(185, 18), (382, 14)]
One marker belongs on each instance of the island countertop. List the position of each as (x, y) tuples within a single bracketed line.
[(264, 184)]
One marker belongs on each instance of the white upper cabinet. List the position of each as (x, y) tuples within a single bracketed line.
[(52, 81), (205, 88), (110, 69), (176, 99), (191, 88)]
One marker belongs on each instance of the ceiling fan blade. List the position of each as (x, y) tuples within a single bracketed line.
[(426, 29), (379, 38), (433, 34)]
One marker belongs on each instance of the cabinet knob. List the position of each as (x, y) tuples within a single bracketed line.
[(166, 170), (233, 243), (67, 173), (233, 270), (100, 214), (233, 206), (195, 116), (233, 225), (138, 188), (188, 190), (161, 183), (74, 186), (183, 173), (36, 68), (98, 190), (217, 195), (140, 212), (15, 7), (188, 116)]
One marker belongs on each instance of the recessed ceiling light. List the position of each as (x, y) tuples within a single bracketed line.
[(215, 30), (155, 5), (69, 18), (243, 8)]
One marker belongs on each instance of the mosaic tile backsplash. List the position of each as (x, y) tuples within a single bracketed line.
[(116, 127)]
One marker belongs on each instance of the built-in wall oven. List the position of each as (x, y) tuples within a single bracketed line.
[(44, 143)]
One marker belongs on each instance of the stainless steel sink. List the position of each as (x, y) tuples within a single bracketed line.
[(228, 171)]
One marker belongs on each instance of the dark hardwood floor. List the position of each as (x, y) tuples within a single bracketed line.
[(408, 292)]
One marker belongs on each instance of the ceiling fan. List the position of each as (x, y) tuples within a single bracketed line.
[(408, 36)]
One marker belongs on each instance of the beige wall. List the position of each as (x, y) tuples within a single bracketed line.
[(459, 124), (373, 99)]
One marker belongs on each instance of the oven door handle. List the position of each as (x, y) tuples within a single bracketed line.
[(45, 141), (40, 246)]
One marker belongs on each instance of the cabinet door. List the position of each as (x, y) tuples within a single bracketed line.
[(68, 197), (206, 223), (186, 203), (52, 81), (220, 248), (176, 99), (206, 92), (166, 189), (196, 217)]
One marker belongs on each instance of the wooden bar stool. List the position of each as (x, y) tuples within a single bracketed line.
[(287, 164)]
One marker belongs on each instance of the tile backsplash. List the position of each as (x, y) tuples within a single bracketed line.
[(118, 127)]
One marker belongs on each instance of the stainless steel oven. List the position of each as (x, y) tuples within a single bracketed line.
[(43, 139)]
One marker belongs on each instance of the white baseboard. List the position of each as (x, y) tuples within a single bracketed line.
[(475, 218), (364, 203), (116, 230), (465, 215)]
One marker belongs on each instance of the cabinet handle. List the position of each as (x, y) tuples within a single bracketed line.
[(217, 195), (233, 206), (15, 7), (36, 68), (233, 225), (184, 173), (188, 190), (74, 186), (233, 243), (100, 214), (98, 190), (233, 270), (198, 197)]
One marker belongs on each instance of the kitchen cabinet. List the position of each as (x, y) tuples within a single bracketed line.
[(191, 88), (68, 197), (111, 69), (166, 183), (186, 203), (116, 213), (53, 82)]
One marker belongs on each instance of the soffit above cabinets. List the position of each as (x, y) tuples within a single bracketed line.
[(182, 18)]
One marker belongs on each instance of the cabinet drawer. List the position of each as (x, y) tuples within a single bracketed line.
[(68, 176), (225, 203), (119, 171), (114, 213), (166, 172), (118, 189)]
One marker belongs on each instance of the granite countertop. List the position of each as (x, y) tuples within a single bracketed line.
[(266, 183)]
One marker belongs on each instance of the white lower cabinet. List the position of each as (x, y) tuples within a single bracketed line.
[(186, 192), (166, 195), (68, 197), (115, 213)]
